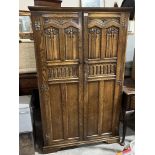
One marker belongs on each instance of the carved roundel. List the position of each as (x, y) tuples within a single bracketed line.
[(71, 30), (51, 31), (112, 30), (95, 30)]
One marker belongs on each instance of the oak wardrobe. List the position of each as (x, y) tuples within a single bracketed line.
[(80, 56)]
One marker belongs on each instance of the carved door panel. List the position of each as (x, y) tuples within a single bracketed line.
[(61, 72), (104, 61)]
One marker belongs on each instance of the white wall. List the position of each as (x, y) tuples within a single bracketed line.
[(67, 3), (110, 3), (130, 47), (70, 3), (23, 4), (76, 3)]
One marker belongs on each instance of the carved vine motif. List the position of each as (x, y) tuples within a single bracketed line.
[(57, 20), (114, 19), (37, 25), (123, 21), (103, 21), (71, 31), (50, 32), (102, 69), (60, 21), (44, 87), (42, 71), (62, 72), (97, 21), (42, 52)]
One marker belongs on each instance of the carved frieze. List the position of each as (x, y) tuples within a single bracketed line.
[(117, 19), (102, 69), (97, 21), (60, 21), (63, 72), (102, 21)]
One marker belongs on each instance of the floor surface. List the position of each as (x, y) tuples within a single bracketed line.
[(26, 146), (100, 149)]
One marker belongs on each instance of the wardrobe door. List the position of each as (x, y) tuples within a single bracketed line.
[(105, 39), (60, 72)]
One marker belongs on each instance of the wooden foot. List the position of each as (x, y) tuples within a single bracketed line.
[(50, 150)]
